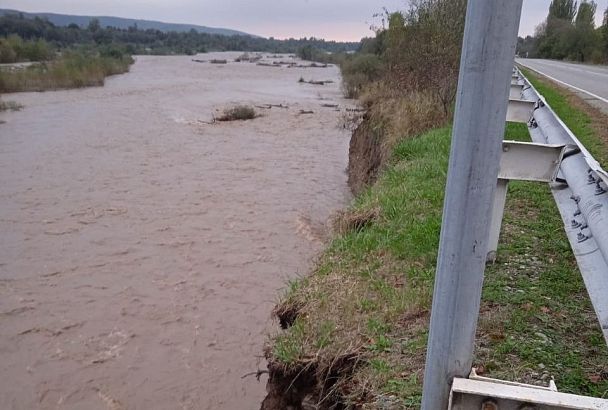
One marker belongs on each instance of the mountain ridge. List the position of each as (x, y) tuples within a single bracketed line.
[(122, 22)]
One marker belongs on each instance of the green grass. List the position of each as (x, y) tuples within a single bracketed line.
[(539, 321), (374, 286)]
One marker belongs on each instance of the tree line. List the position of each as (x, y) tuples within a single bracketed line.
[(137, 41), (569, 32)]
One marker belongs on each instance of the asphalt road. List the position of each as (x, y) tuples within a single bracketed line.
[(589, 81)]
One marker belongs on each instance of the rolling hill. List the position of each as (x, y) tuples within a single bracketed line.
[(123, 23)]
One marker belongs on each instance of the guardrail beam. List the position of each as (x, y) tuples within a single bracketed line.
[(581, 202)]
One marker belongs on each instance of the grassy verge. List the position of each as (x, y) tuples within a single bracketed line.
[(358, 325), (72, 70)]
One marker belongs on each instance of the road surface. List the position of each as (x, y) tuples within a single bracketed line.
[(589, 81)]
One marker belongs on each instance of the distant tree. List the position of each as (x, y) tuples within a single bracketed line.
[(148, 41), (556, 35), (306, 52), (526, 47), (94, 26), (562, 9), (604, 31), (585, 18), (373, 45), (586, 45)]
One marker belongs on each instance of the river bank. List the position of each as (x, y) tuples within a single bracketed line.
[(143, 247), (354, 332)]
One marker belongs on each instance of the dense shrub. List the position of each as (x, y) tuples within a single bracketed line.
[(14, 49), (406, 80), (358, 71)]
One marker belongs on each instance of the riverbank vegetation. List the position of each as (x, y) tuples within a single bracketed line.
[(14, 49), (569, 33), (74, 56), (354, 332), (66, 69)]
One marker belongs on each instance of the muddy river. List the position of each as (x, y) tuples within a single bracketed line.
[(142, 248)]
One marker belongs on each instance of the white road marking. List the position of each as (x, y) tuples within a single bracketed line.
[(566, 84)]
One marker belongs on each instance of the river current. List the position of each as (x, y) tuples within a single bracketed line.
[(142, 247)]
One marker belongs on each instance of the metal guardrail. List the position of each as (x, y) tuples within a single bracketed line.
[(580, 191)]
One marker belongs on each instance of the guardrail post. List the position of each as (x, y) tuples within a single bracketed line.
[(498, 210), (486, 66)]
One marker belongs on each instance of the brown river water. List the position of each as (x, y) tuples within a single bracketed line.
[(141, 249)]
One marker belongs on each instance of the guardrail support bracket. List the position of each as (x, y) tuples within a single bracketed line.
[(520, 110), (521, 161)]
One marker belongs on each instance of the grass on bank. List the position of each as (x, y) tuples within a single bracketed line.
[(360, 321), (71, 70)]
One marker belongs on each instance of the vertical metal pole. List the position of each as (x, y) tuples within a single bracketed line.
[(481, 108)]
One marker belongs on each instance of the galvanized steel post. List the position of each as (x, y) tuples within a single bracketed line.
[(484, 83)]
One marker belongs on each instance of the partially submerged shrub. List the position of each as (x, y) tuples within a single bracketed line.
[(238, 113), (10, 106)]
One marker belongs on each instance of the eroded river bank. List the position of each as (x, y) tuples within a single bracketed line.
[(142, 248)]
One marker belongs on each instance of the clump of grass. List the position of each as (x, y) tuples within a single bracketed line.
[(10, 106), (238, 113), (348, 220)]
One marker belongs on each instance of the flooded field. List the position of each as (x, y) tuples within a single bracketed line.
[(142, 247)]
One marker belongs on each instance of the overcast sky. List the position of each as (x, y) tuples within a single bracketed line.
[(330, 19)]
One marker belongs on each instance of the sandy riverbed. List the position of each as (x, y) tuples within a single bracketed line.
[(141, 249)]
